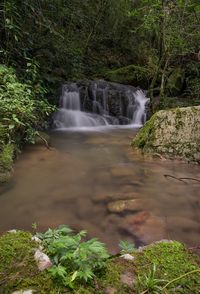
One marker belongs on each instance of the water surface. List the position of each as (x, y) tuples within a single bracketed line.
[(78, 181)]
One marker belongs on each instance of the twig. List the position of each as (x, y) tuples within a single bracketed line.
[(178, 179), (192, 179), (45, 141), (180, 277)]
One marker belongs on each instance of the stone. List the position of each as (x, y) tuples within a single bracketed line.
[(36, 239), (12, 231), (145, 226), (42, 260), (173, 133), (127, 257), (24, 292), (125, 205)]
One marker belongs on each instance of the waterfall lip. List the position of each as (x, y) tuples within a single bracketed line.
[(105, 128)]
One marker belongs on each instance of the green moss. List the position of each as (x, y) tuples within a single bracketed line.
[(171, 260), (132, 74), (18, 269), (111, 277), (145, 136), (6, 157), (6, 161)]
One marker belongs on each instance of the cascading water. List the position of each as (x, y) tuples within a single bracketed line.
[(100, 104), (70, 114)]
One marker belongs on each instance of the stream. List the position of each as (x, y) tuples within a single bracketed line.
[(94, 180)]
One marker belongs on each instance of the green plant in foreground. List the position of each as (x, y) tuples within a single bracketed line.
[(126, 247), (73, 259), (151, 283)]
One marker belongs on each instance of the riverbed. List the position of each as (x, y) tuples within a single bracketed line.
[(94, 180)]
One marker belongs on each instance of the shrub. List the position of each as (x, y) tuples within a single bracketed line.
[(73, 259)]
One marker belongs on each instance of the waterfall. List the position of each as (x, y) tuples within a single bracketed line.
[(70, 114), (139, 115), (100, 103)]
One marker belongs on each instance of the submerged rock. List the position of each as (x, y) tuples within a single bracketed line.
[(145, 226), (173, 133), (125, 205)]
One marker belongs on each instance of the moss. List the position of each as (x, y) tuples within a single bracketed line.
[(132, 74), (18, 269), (146, 134), (111, 277), (6, 157), (171, 260), (6, 161)]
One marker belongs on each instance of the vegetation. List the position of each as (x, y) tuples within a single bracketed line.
[(153, 44), (158, 268), (74, 40), (167, 266), (73, 260), (23, 111)]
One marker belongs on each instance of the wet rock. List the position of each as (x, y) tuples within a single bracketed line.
[(145, 226), (42, 260), (125, 205)]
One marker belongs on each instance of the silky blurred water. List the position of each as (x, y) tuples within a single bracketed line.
[(74, 182)]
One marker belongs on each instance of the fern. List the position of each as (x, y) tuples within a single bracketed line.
[(73, 259)]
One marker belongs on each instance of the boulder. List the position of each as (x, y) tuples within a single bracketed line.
[(173, 133), (121, 206)]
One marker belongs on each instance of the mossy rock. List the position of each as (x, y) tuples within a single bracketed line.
[(133, 74), (167, 267), (18, 268), (173, 133)]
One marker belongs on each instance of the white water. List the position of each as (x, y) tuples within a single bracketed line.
[(71, 116), (139, 115)]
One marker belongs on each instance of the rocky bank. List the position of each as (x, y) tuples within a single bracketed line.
[(172, 133)]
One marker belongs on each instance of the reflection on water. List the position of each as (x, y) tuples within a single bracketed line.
[(95, 181)]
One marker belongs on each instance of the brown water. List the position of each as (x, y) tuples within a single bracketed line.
[(78, 181)]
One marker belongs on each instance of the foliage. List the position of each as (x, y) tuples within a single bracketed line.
[(126, 247), (73, 259), (150, 282), (21, 112)]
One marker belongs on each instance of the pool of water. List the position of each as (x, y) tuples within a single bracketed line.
[(96, 181)]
